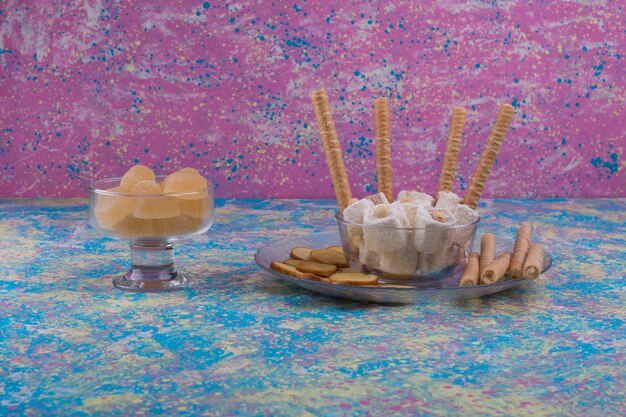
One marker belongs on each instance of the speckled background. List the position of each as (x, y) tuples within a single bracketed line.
[(90, 87), (239, 342)]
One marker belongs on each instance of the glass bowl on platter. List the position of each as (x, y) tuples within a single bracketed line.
[(405, 254)]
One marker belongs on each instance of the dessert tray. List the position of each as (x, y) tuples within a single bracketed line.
[(445, 288)]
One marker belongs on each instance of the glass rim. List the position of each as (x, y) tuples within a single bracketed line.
[(93, 187), (339, 219)]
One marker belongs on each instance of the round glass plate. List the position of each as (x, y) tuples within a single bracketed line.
[(413, 292)]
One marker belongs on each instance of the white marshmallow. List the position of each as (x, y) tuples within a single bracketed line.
[(415, 197), (455, 254), (354, 242), (464, 216), (410, 200), (409, 211), (354, 214), (447, 200), (368, 258), (430, 263), (423, 263), (384, 228), (431, 238), (399, 262), (379, 198)]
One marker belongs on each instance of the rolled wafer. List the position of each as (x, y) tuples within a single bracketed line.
[(453, 146), (332, 149), (534, 261), (383, 147), (520, 250), (488, 157), (496, 270), (487, 250), (471, 271)]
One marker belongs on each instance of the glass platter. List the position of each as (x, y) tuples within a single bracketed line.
[(412, 292)]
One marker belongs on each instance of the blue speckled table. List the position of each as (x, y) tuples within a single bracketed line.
[(240, 343)]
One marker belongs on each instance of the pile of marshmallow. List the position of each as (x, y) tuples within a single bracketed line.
[(413, 236)]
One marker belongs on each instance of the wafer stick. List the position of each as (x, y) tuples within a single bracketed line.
[(488, 157), (332, 149), (520, 250), (534, 261), (453, 145), (487, 250), (470, 273), (383, 147), (496, 270)]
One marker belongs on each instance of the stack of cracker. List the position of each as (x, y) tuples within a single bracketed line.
[(325, 265)]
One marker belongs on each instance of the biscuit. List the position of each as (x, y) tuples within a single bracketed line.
[(316, 268), (292, 271), (293, 262), (300, 253), (329, 257), (336, 249), (354, 278)]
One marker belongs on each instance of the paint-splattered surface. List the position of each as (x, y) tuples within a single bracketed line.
[(240, 343), (89, 88)]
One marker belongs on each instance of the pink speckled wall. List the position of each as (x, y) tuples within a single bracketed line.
[(89, 88)]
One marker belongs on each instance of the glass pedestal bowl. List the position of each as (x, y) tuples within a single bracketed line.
[(151, 223)]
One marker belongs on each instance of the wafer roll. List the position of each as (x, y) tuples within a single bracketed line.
[(332, 149), (487, 250), (488, 157), (522, 244), (496, 270), (534, 261), (453, 146), (470, 273), (383, 147)]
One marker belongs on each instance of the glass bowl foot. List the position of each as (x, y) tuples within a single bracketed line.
[(127, 283), (152, 269)]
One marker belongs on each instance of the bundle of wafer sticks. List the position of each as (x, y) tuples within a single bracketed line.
[(525, 261), (334, 158)]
